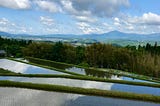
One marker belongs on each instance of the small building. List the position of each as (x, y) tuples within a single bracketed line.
[(2, 53)]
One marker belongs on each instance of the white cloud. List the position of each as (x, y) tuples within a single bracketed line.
[(90, 16), (48, 6), (52, 30), (3, 21), (116, 19), (101, 8), (15, 4), (50, 26), (117, 22), (147, 18), (87, 28), (131, 27), (4, 29), (147, 23), (107, 27), (67, 6), (11, 27), (87, 12), (86, 19), (82, 16), (83, 24), (46, 20), (6, 25)]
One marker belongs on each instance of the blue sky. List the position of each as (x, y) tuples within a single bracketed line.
[(79, 16)]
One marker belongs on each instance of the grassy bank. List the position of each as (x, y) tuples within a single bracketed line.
[(77, 90), (50, 63), (54, 62), (3, 71), (84, 78)]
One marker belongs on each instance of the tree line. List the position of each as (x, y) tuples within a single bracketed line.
[(13, 47), (141, 60)]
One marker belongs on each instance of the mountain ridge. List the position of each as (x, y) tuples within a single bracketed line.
[(99, 37)]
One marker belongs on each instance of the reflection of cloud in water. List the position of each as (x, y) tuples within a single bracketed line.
[(115, 77), (65, 82), (25, 97), (19, 67), (76, 70), (13, 66), (22, 59), (98, 85)]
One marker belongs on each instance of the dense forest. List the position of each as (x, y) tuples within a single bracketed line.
[(13, 47), (142, 59)]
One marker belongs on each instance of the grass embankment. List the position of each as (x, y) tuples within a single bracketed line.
[(84, 78), (85, 91), (3, 71), (50, 63)]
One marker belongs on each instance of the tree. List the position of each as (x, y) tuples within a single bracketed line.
[(58, 52), (80, 54), (39, 50)]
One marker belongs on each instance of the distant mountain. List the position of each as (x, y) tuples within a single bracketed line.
[(110, 37), (115, 35), (5, 34)]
